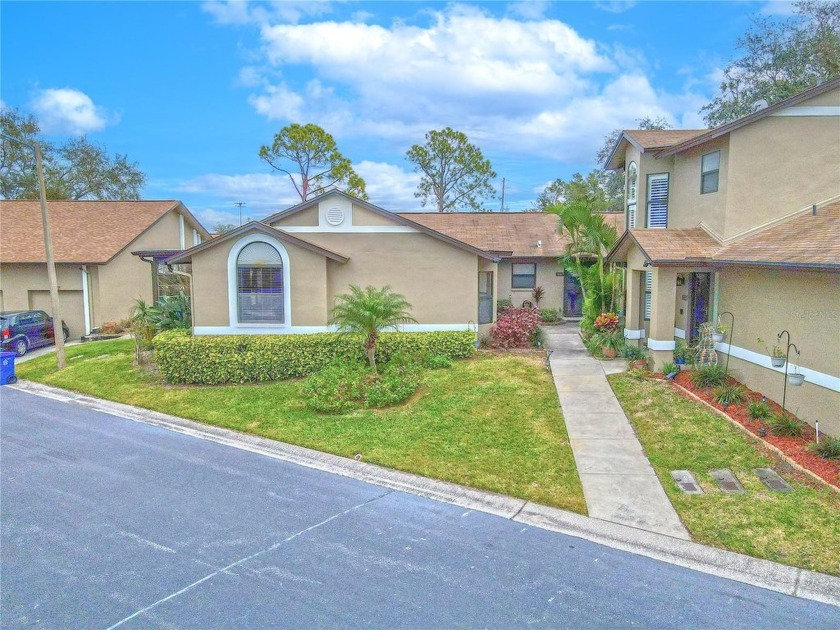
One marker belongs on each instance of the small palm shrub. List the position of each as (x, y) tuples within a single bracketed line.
[(729, 394), (786, 425), (370, 311), (827, 448), (708, 376), (758, 410)]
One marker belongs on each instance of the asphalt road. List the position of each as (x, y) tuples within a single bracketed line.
[(111, 523)]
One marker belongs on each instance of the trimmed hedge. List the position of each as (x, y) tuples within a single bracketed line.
[(214, 360)]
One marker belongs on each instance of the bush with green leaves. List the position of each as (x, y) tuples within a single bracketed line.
[(758, 410), (634, 353), (609, 339), (670, 368), (730, 394), (343, 387), (786, 425), (709, 376), (549, 315), (217, 359), (828, 447), (437, 362)]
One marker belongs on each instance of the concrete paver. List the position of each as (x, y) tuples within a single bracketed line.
[(619, 484)]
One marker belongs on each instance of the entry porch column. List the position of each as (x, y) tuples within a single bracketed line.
[(662, 309)]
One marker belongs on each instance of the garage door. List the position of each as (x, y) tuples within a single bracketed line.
[(72, 308)]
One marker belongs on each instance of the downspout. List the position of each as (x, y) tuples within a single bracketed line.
[(86, 298), (192, 302)]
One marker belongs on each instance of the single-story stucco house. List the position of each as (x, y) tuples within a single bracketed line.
[(98, 277), (282, 274)]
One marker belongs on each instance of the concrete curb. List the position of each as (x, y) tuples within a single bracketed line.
[(762, 573)]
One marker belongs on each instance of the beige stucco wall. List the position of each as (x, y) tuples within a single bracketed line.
[(806, 304), (439, 280), (308, 273), (308, 217), (687, 206), (364, 217), (551, 283), (126, 278)]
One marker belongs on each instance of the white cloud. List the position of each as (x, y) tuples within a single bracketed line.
[(65, 110), (239, 12), (389, 186), (784, 8), (529, 9), (616, 6)]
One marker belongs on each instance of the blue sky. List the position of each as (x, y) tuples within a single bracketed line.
[(191, 90)]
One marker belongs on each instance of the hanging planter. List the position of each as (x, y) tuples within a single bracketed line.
[(796, 378), (718, 337), (777, 362)]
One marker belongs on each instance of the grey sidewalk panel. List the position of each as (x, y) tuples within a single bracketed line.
[(599, 426), (588, 402), (613, 457)]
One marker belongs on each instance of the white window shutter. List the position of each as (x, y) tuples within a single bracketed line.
[(648, 288), (658, 200)]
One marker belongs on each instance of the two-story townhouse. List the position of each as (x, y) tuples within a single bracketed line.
[(740, 225)]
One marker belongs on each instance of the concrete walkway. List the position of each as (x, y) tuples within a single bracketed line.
[(619, 484)]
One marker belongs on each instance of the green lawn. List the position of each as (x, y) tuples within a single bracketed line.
[(491, 422), (801, 528)]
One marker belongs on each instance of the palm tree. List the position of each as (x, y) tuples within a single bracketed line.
[(370, 311)]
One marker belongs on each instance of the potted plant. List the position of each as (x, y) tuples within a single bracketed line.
[(611, 342), (777, 355), (796, 377), (682, 354), (636, 356), (719, 333)]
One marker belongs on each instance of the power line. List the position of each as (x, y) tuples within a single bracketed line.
[(240, 205)]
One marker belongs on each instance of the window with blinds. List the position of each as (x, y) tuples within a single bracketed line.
[(259, 275), (523, 276), (657, 200), (648, 288), (709, 172), (632, 189)]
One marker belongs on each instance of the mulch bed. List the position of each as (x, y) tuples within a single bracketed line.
[(796, 448)]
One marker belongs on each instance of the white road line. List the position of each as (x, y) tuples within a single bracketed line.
[(243, 560)]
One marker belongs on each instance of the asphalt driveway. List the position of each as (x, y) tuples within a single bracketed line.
[(111, 523)]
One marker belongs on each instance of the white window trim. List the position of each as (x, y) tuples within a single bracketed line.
[(181, 236), (233, 304)]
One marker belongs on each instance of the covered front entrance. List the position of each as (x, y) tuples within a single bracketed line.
[(572, 296), (699, 296)]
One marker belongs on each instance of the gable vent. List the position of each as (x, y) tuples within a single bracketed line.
[(335, 216)]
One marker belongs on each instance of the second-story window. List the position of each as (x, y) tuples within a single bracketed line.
[(710, 172), (657, 200), (632, 188)]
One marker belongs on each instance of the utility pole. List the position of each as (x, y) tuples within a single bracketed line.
[(503, 195), (240, 205), (58, 331)]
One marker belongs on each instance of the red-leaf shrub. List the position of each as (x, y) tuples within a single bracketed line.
[(514, 328), (606, 322)]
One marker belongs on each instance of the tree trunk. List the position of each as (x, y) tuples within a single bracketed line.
[(370, 350)]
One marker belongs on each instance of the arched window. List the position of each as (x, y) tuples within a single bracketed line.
[(632, 188), (259, 284)]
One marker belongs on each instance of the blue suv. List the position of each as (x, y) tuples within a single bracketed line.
[(22, 330)]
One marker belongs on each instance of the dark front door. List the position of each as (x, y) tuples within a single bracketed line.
[(485, 297), (700, 295), (572, 296)]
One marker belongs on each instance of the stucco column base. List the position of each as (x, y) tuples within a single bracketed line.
[(660, 358)]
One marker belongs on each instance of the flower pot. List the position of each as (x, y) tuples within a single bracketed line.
[(609, 353), (718, 337), (641, 364), (777, 361), (680, 361), (796, 379)]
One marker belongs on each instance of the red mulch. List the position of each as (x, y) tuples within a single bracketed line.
[(794, 448)]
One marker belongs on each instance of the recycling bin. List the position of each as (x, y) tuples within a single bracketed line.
[(7, 368)]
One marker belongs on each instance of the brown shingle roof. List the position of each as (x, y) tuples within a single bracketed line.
[(801, 240), (660, 138), (516, 232), (82, 231), (675, 244)]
